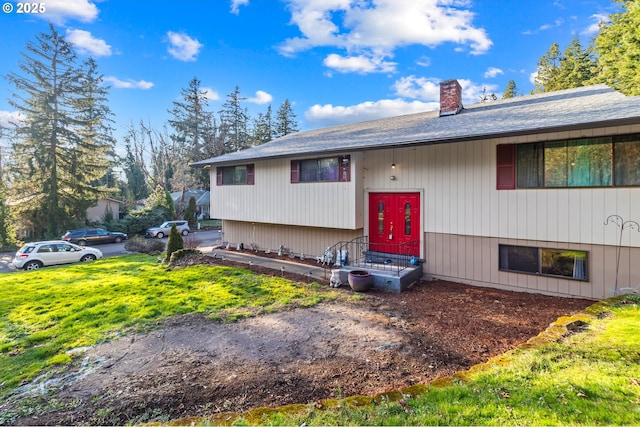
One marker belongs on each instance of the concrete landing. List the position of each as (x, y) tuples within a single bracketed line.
[(386, 280)]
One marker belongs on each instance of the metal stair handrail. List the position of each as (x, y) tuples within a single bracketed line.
[(357, 252)]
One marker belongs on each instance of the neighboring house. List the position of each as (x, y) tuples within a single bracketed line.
[(203, 202), (511, 194), (96, 213)]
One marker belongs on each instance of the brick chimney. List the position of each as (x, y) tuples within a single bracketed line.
[(450, 98)]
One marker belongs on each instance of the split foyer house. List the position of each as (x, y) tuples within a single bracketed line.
[(527, 194)]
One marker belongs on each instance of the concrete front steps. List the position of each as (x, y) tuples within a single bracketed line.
[(386, 280)]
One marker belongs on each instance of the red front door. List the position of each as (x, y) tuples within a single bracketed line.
[(394, 223)]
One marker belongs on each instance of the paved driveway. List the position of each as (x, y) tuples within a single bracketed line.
[(206, 239)]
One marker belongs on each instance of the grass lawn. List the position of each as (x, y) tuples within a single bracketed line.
[(47, 313), (590, 378)]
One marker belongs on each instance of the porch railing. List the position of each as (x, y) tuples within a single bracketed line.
[(358, 252)]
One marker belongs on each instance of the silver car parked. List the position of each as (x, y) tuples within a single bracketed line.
[(164, 229), (40, 254)]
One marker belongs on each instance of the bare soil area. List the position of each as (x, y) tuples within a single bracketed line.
[(193, 366)]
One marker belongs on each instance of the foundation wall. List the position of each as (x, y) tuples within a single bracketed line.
[(310, 241), (474, 260)]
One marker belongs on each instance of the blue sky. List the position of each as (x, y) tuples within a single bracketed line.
[(337, 61)]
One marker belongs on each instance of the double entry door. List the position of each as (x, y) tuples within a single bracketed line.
[(394, 223)]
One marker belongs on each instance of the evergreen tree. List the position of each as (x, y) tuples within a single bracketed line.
[(618, 48), (511, 91), (161, 199), (174, 243), (263, 128), (191, 213), (137, 187), (64, 124), (286, 122), (7, 220), (93, 156), (234, 120), (577, 67), (548, 70), (190, 122)]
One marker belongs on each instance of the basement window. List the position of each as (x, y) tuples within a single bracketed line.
[(565, 263)]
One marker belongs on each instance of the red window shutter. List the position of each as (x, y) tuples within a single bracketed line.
[(295, 171), (345, 169), (250, 175), (218, 176), (506, 167)]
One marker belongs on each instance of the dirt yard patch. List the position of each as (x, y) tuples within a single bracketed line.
[(192, 366)]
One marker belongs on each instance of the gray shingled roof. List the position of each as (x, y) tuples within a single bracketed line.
[(587, 106)]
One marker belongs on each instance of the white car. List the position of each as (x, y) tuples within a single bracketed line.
[(164, 229), (40, 254)]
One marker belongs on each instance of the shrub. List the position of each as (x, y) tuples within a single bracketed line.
[(138, 221), (145, 246), (175, 242), (181, 254), (191, 212)]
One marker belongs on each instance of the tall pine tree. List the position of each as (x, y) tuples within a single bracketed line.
[(7, 220), (137, 186), (93, 155), (575, 67), (234, 120), (191, 122), (511, 91), (618, 47), (286, 122), (548, 70), (64, 113)]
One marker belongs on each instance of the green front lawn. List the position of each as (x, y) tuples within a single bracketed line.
[(589, 378), (45, 314)]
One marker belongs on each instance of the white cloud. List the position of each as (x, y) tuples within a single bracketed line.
[(428, 89), (422, 93), (533, 76), (424, 61), (373, 29), (330, 115), (211, 94), (597, 19), (183, 47), (424, 88), (60, 11), (9, 119), (235, 5), (558, 22), (492, 72), (359, 64), (261, 97), (128, 84), (87, 44)]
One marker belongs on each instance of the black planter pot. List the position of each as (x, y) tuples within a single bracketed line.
[(360, 280)]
